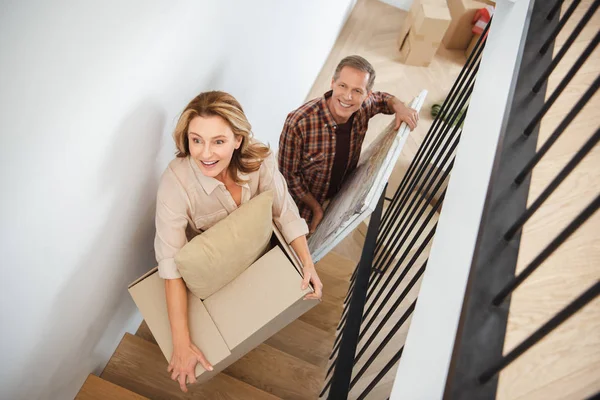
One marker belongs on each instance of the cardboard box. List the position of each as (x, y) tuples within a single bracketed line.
[(459, 34), (427, 19), (422, 32), (244, 313), (417, 50), (472, 45)]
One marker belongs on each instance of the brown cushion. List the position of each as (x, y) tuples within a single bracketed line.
[(217, 256)]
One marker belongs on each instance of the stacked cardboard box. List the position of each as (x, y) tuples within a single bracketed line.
[(459, 34), (422, 32)]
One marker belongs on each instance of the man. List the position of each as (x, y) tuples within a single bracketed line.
[(321, 141)]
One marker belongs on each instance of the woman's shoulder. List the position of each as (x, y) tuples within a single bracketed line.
[(178, 172)]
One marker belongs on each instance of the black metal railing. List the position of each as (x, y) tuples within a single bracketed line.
[(478, 356), (382, 294)]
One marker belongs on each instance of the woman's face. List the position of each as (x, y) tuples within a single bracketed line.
[(212, 143)]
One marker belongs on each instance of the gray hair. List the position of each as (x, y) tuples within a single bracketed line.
[(359, 63)]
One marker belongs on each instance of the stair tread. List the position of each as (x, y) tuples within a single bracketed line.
[(326, 315), (140, 366), (144, 332), (279, 373), (334, 288), (336, 265), (96, 388), (304, 341)]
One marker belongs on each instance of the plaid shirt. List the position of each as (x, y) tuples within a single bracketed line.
[(307, 146)]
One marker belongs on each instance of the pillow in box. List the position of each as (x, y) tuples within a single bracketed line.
[(217, 256)]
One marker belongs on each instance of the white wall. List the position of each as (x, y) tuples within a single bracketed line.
[(89, 95)]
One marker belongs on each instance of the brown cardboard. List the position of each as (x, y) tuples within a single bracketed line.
[(427, 19), (422, 32), (267, 289), (431, 22), (459, 32), (149, 295), (417, 50), (472, 45), (257, 304)]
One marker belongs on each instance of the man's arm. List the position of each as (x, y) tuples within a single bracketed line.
[(403, 113), (289, 160), (385, 103), (316, 209)]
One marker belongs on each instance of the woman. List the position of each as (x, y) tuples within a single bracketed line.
[(218, 167)]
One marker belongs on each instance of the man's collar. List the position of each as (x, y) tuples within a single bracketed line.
[(325, 109)]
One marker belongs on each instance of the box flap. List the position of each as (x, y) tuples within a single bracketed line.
[(288, 249), (153, 270), (149, 296), (258, 295)]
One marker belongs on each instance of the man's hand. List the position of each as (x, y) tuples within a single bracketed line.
[(405, 114), (316, 219)]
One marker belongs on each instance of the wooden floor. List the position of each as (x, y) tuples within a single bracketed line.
[(566, 364)]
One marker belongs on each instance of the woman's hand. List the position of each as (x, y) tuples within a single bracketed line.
[(310, 275), (183, 364)]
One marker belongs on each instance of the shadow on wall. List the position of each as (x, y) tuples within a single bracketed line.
[(93, 307)]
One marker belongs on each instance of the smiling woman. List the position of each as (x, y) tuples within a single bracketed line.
[(219, 166)]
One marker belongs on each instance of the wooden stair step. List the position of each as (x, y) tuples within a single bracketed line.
[(326, 315), (336, 265), (144, 332), (140, 366), (276, 372), (304, 341), (333, 287), (96, 388)]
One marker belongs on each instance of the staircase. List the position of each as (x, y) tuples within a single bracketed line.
[(289, 365)]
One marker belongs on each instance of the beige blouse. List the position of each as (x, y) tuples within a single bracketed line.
[(188, 203)]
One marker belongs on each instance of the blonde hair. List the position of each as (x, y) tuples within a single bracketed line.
[(250, 155)]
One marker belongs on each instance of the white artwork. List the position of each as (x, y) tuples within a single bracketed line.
[(359, 194)]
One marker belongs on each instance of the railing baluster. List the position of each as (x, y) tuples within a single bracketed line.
[(381, 374), (448, 108), (567, 312), (579, 156), (340, 381), (562, 85), (558, 240), (390, 312), (383, 343), (555, 9), (558, 28), (403, 233), (412, 243), (557, 132), (570, 40), (399, 280), (427, 164)]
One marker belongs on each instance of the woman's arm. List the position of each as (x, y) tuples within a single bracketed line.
[(185, 354), (288, 220), (300, 246)]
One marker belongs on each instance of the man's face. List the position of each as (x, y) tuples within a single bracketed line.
[(349, 92)]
